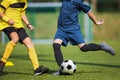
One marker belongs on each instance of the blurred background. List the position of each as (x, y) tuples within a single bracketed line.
[(43, 14)]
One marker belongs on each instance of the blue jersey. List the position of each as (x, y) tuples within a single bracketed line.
[(68, 26), (70, 9)]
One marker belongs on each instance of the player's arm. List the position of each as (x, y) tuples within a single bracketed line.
[(6, 19), (25, 20), (3, 6), (84, 6), (93, 18)]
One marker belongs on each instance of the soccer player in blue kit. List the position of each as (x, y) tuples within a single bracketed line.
[(69, 30)]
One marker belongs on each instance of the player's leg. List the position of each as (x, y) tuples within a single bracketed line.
[(96, 47), (32, 52), (76, 38), (10, 32), (57, 51), (89, 47), (33, 57), (59, 39), (58, 54)]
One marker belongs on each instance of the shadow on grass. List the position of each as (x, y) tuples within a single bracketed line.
[(98, 64), (6, 73), (21, 73), (87, 63), (26, 56), (53, 71)]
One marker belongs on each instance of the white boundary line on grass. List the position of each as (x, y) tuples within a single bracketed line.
[(42, 41), (44, 4)]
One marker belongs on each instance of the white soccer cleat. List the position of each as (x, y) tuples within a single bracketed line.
[(59, 72), (107, 48)]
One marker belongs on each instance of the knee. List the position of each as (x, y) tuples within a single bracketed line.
[(28, 43), (15, 40)]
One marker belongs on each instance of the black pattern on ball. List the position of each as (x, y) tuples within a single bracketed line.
[(74, 71), (62, 67), (69, 67), (66, 61)]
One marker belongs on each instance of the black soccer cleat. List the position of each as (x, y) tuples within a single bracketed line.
[(41, 70), (2, 64), (107, 48)]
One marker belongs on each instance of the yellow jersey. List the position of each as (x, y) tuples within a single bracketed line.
[(13, 9)]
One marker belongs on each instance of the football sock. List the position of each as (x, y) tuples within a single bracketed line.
[(33, 57), (90, 47), (8, 51), (57, 53)]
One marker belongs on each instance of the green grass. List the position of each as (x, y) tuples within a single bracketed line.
[(90, 65), (110, 28)]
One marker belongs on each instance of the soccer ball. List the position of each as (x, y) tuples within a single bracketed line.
[(68, 66)]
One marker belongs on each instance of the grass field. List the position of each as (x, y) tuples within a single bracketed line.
[(90, 66)]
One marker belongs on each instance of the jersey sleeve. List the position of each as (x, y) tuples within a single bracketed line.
[(23, 12), (4, 4), (84, 7), (24, 9)]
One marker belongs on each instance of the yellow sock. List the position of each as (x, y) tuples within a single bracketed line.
[(8, 50), (33, 58)]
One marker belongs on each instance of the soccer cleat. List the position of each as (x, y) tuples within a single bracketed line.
[(2, 64), (41, 70), (59, 72), (107, 48)]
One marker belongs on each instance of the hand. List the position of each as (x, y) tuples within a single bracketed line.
[(11, 22), (30, 27), (100, 22)]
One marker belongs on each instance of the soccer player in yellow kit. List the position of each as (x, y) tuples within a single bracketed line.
[(12, 16)]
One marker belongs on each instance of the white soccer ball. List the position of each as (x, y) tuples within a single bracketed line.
[(68, 66)]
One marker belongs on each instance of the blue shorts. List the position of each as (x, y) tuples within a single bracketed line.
[(73, 36)]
